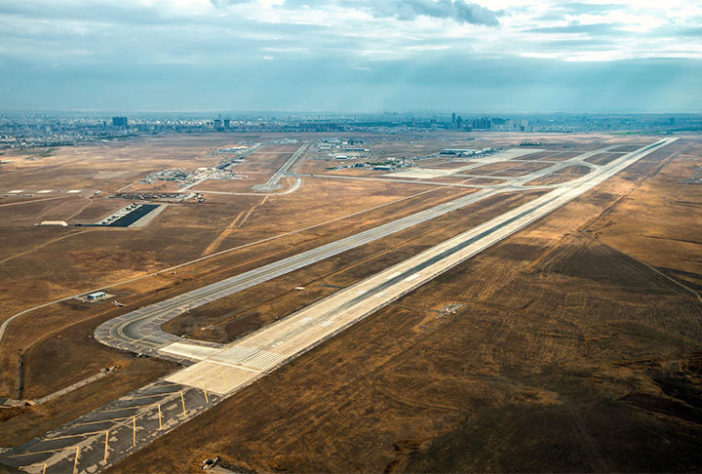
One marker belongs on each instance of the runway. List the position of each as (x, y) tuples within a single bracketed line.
[(272, 183), (253, 356), (140, 330)]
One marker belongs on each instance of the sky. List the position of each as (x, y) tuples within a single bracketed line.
[(351, 55)]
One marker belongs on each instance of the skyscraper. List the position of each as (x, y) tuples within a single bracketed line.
[(120, 122)]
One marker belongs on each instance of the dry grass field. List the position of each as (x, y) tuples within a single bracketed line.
[(561, 176), (572, 346), (574, 349), (229, 318), (41, 264)]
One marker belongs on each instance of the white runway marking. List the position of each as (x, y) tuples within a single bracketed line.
[(189, 351)]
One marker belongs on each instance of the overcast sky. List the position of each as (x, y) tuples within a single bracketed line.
[(351, 55)]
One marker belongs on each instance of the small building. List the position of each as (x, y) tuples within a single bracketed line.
[(54, 223), (95, 296)]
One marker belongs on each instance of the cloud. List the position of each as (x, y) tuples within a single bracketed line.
[(592, 29), (405, 10), (457, 10), (387, 51)]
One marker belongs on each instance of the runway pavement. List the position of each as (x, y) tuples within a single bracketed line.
[(94, 441), (272, 182)]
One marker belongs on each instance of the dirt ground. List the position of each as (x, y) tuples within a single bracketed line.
[(603, 158), (366, 401), (229, 318), (53, 320), (39, 264), (572, 350), (563, 175)]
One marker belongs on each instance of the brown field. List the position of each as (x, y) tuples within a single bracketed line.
[(484, 181), (523, 169), (624, 148), (575, 339), (554, 156), (321, 200), (257, 167), (603, 158), (492, 167), (571, 352), (230, 318), (508, 168), (561, 176), (320, 167)]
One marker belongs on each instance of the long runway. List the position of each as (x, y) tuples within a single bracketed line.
[(272, 182), (97, 440), (140, 330), (228, 370)]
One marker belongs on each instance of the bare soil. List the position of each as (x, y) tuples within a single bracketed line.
[(565, 354)]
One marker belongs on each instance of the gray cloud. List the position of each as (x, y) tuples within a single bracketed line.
[(559, 11), (132, 54), (592, 29), (335, 84), (458, 10)]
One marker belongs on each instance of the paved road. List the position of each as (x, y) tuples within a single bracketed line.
[(272, 182)]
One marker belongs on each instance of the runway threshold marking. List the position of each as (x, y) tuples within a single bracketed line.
[(150, 396), (97, 422), (43, 451), (28, 466), (74, 435)]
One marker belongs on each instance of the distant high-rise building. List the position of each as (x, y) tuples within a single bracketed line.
[(453, 117), (481, 124), (120, 122), (218, 124), (227, 123)]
